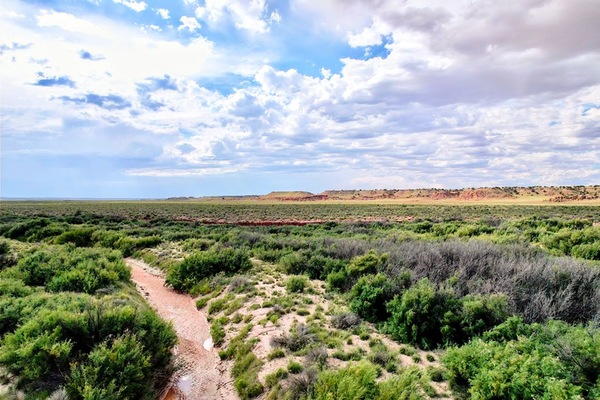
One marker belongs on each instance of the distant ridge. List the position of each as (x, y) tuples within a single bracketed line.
[(549, 194), (555, 194)]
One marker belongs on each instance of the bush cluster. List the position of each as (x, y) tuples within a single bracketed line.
[(53, 333), (198, 266), (515, 360), (72, 269)]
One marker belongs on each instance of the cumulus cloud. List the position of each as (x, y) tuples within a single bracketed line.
[(164, 13), (137, 6), (445, 95), (248, 15), (189, 23)]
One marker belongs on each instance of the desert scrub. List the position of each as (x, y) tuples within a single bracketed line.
[(553, 360), (241, 284), (407, 350), (276, 353), (436, 374), (237, 318), (296, 284), (409, 383), (299, 337), (302, 312), (294, 367), (217, 331), (317, 356), (345, 320), (218, 305), (246, 365), (194, 268), (381, 356), (235, 305), (273, 378), (356, 381)]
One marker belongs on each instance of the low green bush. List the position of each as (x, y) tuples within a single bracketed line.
[(61, 268), (81, 237), (119, 369), (554, 360), (354, 382), (428, 317), (369, 296), (194, 268), (217, 332), (296, 284), (294, 367), (423, 316)]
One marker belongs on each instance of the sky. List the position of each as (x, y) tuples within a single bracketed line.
[(154, 99)]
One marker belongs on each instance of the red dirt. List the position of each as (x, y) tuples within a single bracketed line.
[(209, 378)]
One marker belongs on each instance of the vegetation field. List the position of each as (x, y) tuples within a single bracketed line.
[(268, 212), (368, 301)]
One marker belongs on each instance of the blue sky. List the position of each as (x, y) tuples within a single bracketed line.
[(136, 99)]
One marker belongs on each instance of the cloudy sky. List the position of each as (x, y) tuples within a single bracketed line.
[(134, 99)]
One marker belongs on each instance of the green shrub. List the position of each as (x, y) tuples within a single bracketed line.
[(354, 382), (217, 306), (296, 284), (13, 288), (338, 280), (493, 370), (588, 251), (81, 237), (293, 263), (300, 337), (217, 332), (479, 314), (369, 296), (410, 384), (62, 268), (424, 316), (437, 374), (120, 369), (274, 377), (294, 367), (129, 245), (7, 258), (366, 264), (192, 269)]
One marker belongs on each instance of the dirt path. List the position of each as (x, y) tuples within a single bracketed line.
[(198, 361)]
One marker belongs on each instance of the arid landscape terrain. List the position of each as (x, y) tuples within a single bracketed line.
[(288, 296)]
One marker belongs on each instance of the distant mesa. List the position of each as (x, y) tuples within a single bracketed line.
[(554, 194), (293, 196)]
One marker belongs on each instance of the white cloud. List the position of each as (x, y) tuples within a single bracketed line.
[(246, 15), (189, 23), (275, 17), (137, 6), (69, 22), (164, 13), (368, 37)]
